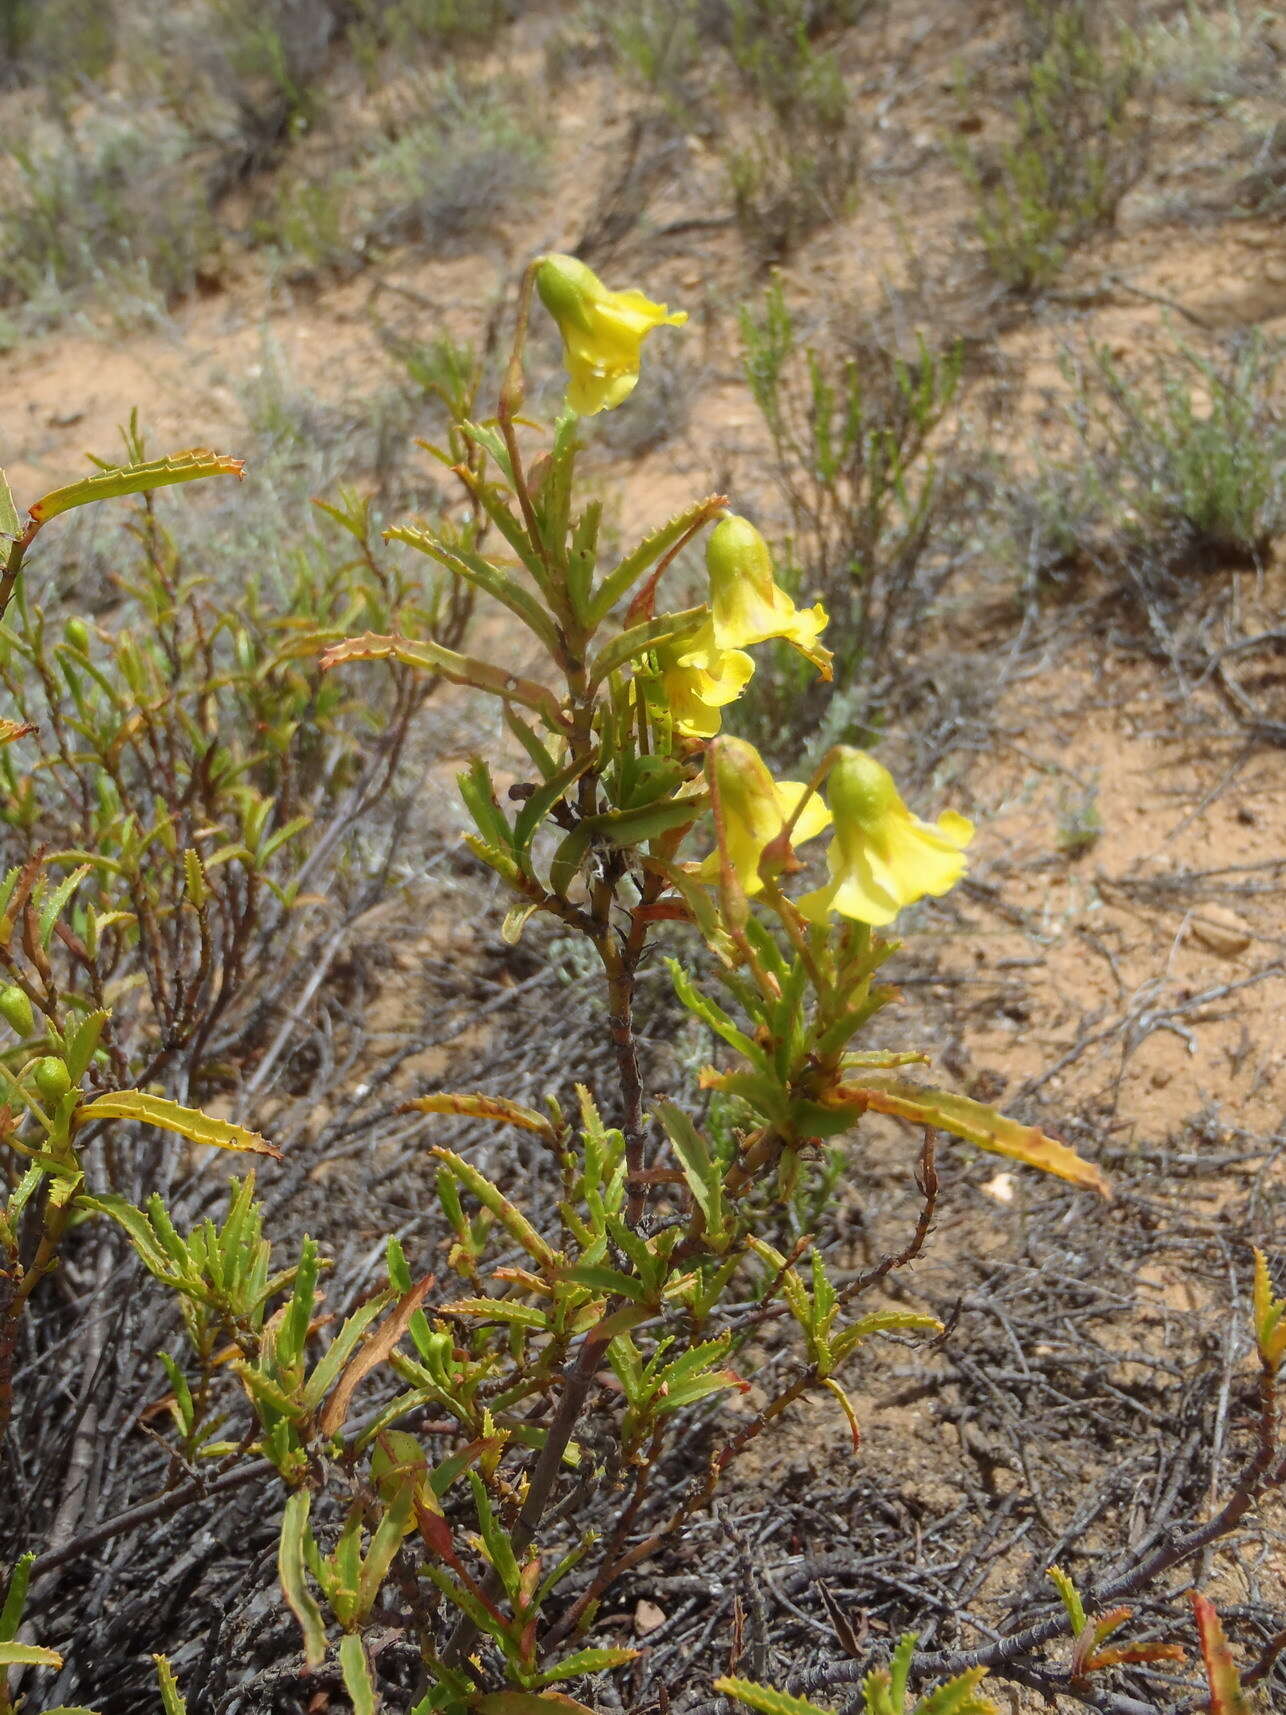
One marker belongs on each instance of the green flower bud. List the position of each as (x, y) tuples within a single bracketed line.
[(51, 1078), (76, 632), (16, 1010)]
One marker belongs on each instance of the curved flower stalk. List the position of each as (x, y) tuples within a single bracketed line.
[(602, 332), (882, 858)]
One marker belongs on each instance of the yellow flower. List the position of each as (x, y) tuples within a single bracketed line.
[(882, 857), (602, 331), (746, 605), (753, 810), (698, 680)]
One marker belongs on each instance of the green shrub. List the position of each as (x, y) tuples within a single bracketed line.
[(1082, 141), (851, 425), (1188, 453), (108, 202)]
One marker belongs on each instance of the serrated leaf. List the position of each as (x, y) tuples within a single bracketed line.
[(458, 669), (292, 1570), (620, 580), (958, 1697), (170, 1116), (587, 1661), (356, 1673), (1070, 1598), (767, 1698), (1269, 1314), (172, 1700), (188, 466), (473, 569), (28, 1655), (975, 1123), (52, 908), (640, 639), (478, 1106), (491, 1197), (1226, 1694), (496, 1310)]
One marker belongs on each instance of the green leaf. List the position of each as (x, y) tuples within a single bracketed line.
[(975, 1123), (141, 1233), (496, 1310), (500, 1551), (473, 569), (16, 1596), (531, 742), (766, 1699), (639, 639), (529, 1703), (170, 1116), (883, 1322), (619, 581), (958, 1697), (28, 1655), (1070, 1598), (171, 1697), (491, 1197), (710, 1012), (356, 1671), (10, 523), (458, 669), (51, 910), (545, 797), (701, 1171), (586, 1661), (294, 1577), (136, 479)]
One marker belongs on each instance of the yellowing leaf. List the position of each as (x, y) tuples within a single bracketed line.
[(975, 1123), (11, 730), (191, 1123), (1270, 1315), (1226, 1694), (476, 1105), (137, 479), (458, 669)]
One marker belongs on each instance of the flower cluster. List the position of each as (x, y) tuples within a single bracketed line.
[(881, 857)]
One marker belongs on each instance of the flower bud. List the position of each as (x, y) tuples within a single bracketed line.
[(51, 1078), (16, 1010), (76, 633)]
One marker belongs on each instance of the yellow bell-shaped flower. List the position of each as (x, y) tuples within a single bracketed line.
[(697, 680), (746, 604), (753, 810), (602, 331), (882, 857)]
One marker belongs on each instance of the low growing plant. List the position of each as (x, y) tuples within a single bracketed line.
[(851, 431), (485, 1448), (1081, 142)]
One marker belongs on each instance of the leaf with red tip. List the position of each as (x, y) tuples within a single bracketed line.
[(1226, 1694)]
